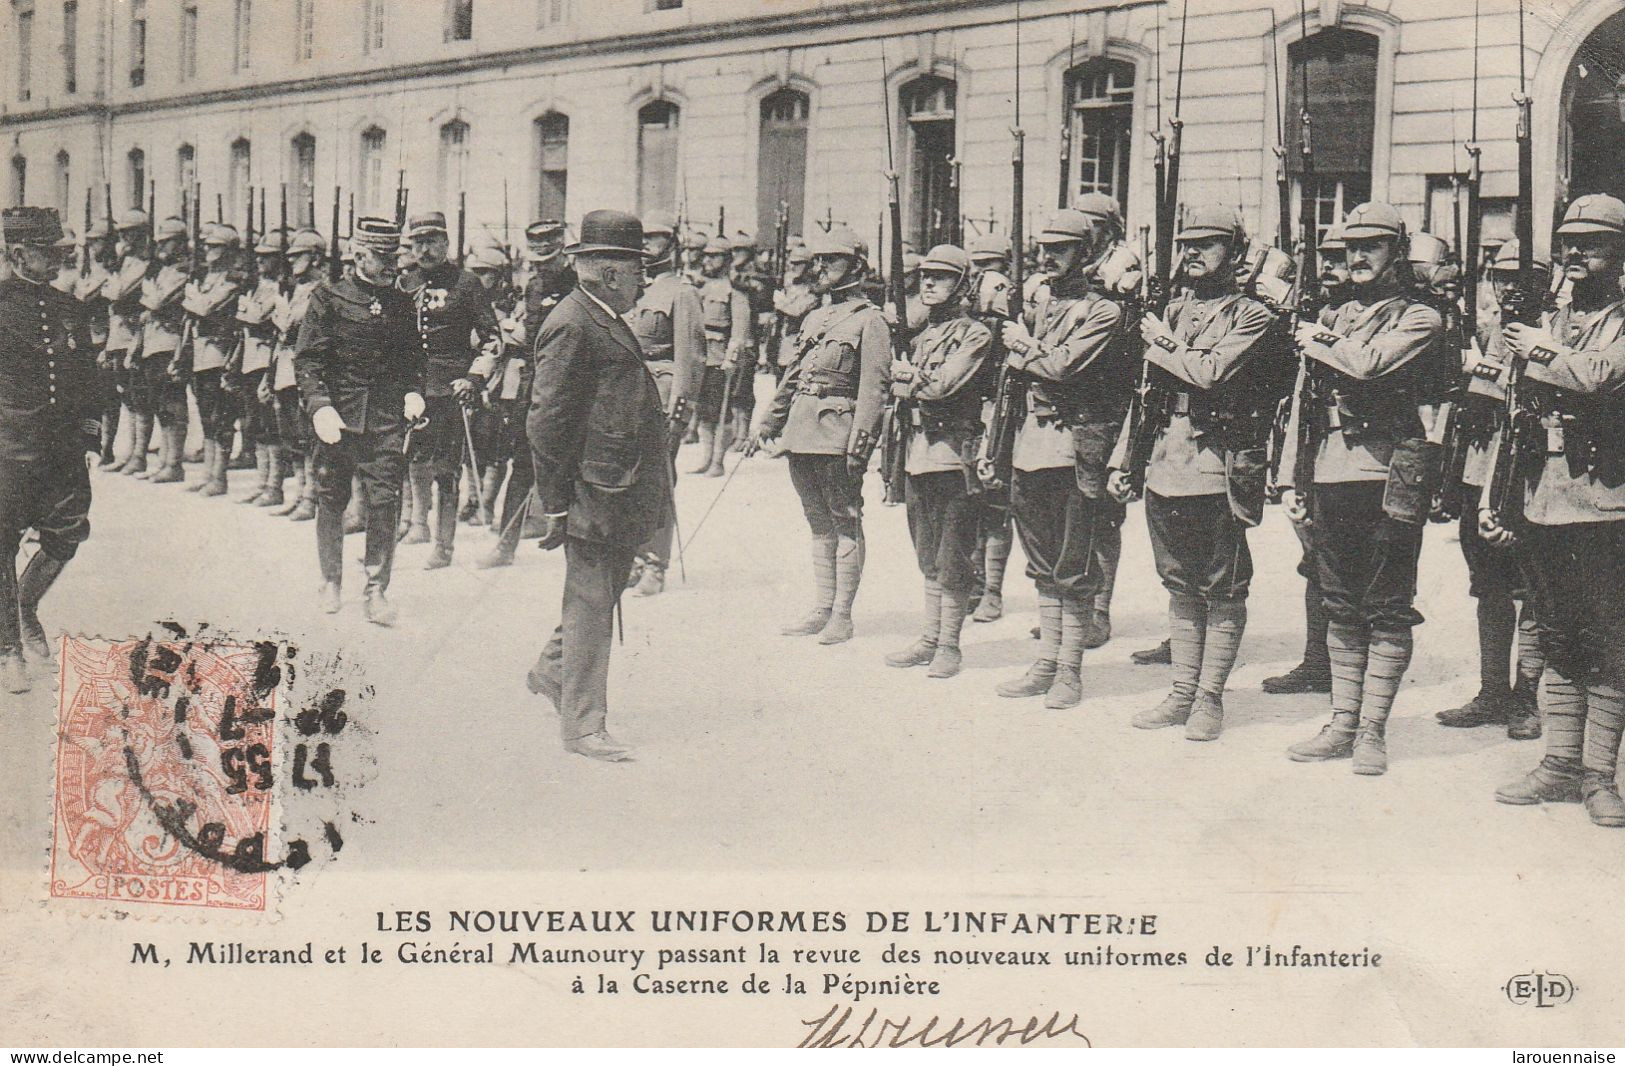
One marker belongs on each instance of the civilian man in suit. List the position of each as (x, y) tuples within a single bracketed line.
[(598, 436)]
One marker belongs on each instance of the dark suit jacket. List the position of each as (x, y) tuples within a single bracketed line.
[(596, 427)]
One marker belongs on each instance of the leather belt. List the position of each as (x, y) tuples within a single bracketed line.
[(823, 389)]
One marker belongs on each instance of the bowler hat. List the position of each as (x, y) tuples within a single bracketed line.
[(606, 232)]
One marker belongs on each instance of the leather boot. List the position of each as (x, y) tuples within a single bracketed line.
[(330, 545), (275, 473), (1486, 708), (823, 566), (1523, 720), (262, 481), (1161, 655), (652, 579), (13, 670), (110, 420), (206, 468), (38, 577), (379, 561), (708, 440), (719, 450), (304, 509), (171, 442), (1035, 682), (1187, 635), (1371, 749), (1548, 782), (848, 573), (1221, 643), (445, 529), (422, 499), (1041, 674), (218, 465), (1600, 793), (140, 440), (920, 653), (1066, 690), (1206, 719), (948, 658), (152, 465), (1334, 741)]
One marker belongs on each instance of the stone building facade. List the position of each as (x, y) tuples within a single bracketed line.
[(555, 107)]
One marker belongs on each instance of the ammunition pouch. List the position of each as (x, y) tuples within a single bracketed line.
[(824, 387), (1092, 444), (1246, 473), (1413, 477)]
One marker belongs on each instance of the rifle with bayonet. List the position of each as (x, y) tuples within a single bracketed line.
[(895, 427), (84, 254), (335, 258)]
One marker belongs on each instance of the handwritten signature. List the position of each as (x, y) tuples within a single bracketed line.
[(834, 1029)]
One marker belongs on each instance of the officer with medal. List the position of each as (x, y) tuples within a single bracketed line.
[(1572, 473), (939, 390), (304, 254), (452, 308), (162, 290), (1370, 358), (669, 323), (1204, 478), (122, 290), (1080, 377), (826, 416), (361, 367), (50, 428)]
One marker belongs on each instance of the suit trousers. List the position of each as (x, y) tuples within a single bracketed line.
[(595, 572)]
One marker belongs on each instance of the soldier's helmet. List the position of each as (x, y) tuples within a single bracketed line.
[(1426, 250), (68, 238), (1374, 219), (306, 242), (911, 262), (1506, 263), (989, 248), (743, 241), (798, 254), (221, 235), (1101, 206), (1066, 226), (98, 231), (1333, 240), (170, 228), (840, 240), (718, 246), (659, 223), (695, 240), (132, 220), (1593, 213), (269, 243), (487, 259), (945, 259), (1212, 220)]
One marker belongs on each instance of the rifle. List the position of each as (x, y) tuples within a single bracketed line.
[(722, 222), (507, 258), (1283, 185), (282, 226), (1151, 403), (462, 227), (894, 434), (335, 264), (1066, 119), (994, 464), (84, 255), (1523, 303), (152, 218)]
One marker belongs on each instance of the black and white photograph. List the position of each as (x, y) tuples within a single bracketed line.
[(812, 523)]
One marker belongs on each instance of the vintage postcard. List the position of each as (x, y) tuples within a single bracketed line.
[(812, 523)]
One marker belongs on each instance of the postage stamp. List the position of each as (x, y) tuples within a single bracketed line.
[(174, 771)]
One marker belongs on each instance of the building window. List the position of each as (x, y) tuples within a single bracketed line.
[(781, 158), (136, 175), (64, 185), (552, 164), (459, 20), (189, 42), (1098, 136), (242, 36), (304, 179), (304, 30), (931, 205), (552, 12), (19, 181), (453, 171), (70, 46), (239, 178), (1342, 75), (657, 156), (185, 170), (25, 52), (371, 176), (372, 27), (138, 43)]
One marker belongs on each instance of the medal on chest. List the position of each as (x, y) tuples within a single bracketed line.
[(375, 308), (434, 299)]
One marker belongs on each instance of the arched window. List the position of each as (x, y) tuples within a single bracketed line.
[(781, 158), (239, 179), (453, 172), (64, 185), (1098, 131), (302, 149), (552, 164), (135, 175), (1342, 76), (370, 179), (1592, 133), (657, 156), (931, 194)]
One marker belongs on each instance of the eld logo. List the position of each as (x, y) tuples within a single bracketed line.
[(1539, 989)]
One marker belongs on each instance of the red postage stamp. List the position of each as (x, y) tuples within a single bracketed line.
[(165, 757)]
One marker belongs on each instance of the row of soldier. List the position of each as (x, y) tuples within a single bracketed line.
[(1378, 382)]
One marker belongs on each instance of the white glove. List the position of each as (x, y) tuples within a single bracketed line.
[(329, 425), (413, 407)]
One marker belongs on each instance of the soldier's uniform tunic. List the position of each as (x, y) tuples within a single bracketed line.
[(292, 423), (358, 353), (212, 303), (88, 289), (122, 290), (258, 336), (161, 295), (727, 323)]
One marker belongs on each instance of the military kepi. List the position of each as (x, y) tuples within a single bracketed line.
[(38, 226), (609, 233), (428, 224)]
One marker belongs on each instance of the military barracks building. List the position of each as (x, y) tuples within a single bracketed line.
[(699, 106)]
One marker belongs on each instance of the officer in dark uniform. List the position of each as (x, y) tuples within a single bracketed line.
[(669, 323), (1079, 378), (826, 415), (1572, 472), (940, 389), (603, 470), (1204, 481), (1370, 364), (49, 427), (212, 304), (123, 294), (452, 307), (361, 369)]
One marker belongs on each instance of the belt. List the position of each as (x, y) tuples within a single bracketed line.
[(823, 389)]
